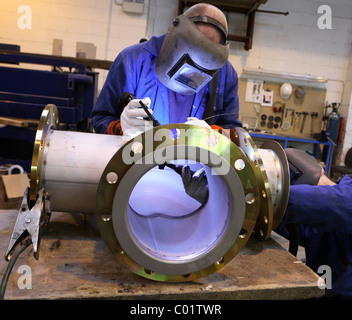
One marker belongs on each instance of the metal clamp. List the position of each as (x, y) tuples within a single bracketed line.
[(29, 223)]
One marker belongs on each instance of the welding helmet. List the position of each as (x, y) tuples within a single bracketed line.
[(188, 59)]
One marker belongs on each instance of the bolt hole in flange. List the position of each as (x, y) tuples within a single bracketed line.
[(239, 164), (243, 233), (111, 177), (250, 198)]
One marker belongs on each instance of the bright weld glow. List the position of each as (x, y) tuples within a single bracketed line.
[(164, 220)]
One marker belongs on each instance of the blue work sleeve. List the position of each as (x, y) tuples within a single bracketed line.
[(326, 208), (231, 100), (118, 81), (227, 102)]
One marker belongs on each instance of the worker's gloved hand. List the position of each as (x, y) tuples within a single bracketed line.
[(195, 184), (195, 121), (133, 118)]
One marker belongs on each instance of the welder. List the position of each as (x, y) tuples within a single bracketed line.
[(181, 75)]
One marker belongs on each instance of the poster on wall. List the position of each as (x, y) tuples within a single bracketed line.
[(267, 98), (254, 91)]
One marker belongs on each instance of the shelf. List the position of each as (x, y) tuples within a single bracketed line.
[(247, 7), (287, 139)]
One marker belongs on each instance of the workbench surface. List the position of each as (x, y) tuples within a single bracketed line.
[(74, 263)]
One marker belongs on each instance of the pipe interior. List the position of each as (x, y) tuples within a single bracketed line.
[(170, 225)]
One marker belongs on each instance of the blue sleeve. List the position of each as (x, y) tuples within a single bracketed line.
[(119, 80), (227, 103), (327, 208)]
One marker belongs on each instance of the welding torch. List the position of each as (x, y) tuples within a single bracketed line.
[(156, 123)]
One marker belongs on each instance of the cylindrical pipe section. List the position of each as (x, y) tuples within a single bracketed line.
[(72, 166), (274, 173)]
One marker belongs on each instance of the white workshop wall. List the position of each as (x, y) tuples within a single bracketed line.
[(292, 43)]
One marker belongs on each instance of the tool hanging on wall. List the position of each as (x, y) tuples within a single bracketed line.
[(304, 120), (299, 95), (277, 119), (298, 123), (286, 112), (292, 116), (282, 113), (313, 116), (257, 109), (285, 125), (278, 107), (295, 123), (297, 120)]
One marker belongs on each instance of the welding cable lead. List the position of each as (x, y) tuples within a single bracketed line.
[(133, 118)]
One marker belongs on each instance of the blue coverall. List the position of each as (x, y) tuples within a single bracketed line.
[(324, 216), (134, 71)]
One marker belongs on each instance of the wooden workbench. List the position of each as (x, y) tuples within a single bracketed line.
[(74, 263)]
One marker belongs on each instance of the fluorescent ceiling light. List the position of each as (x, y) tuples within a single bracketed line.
[(284, 75)]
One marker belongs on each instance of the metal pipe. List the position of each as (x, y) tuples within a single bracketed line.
[(143, 213), (72, 166)]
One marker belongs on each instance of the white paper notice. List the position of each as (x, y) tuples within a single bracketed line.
[(268, 96), (254, 91)]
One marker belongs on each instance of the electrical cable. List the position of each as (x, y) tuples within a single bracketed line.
[(12, 262), (25, 243)]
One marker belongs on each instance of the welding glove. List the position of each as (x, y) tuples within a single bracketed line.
[(195, 121), (195, 184), (133, 116)]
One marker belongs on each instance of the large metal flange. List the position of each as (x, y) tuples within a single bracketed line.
[(264, 224), (49, 120), (228, 169)]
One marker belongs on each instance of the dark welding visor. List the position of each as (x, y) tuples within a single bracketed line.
[(188, 60), (189, 74)]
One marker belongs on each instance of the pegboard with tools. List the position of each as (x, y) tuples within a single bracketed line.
[(282, 108)]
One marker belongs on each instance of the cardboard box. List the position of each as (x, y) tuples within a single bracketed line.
[(12, 188)]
